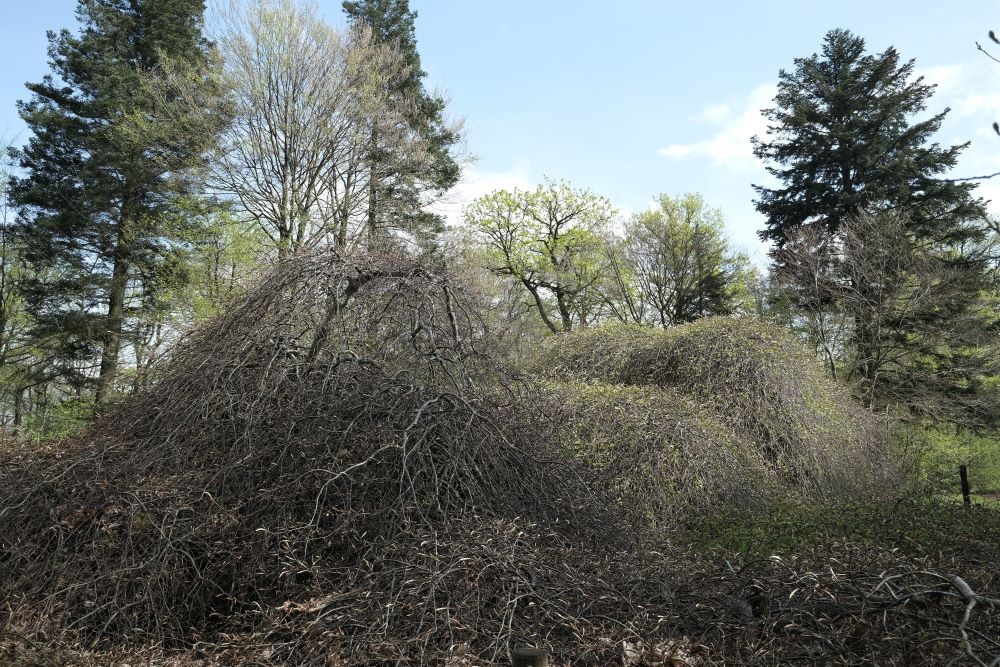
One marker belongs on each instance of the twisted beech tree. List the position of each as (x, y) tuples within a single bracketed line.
[(551, 241)]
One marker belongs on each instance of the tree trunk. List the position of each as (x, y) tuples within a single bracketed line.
[(539, 304), (831, 360), (343, 214), (284, 239), (113, 331), (564, 313), (372, 193), (18, 400)]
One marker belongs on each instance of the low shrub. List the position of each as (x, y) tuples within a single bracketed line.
[(655, 450)]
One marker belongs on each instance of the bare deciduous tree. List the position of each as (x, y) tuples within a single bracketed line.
[(304, 97), (911, 322), (804, 278), (924, 317)]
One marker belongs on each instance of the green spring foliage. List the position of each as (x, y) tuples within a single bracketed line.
[(938, 451), (656, 449), (756, 379)]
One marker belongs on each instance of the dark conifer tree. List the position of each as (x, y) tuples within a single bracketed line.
[(845, 143), (842, 139), (398, 183), (119, 131)]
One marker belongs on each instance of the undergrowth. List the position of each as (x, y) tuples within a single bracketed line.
[(918, 525)]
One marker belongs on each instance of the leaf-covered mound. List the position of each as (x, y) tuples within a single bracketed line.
[(756, 378)]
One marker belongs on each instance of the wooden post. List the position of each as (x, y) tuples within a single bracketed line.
[(963, 472), (529, 657)]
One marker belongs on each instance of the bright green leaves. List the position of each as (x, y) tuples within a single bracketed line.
[(675, 265), (553, 241)]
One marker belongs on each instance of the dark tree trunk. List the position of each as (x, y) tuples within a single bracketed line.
[(113, 331)]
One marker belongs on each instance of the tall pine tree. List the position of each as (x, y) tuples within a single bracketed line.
[(845, 144), (119, 131), (399, 182), (841, 139)]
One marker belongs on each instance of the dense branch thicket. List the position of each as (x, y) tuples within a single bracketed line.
[(656, 451), (321, 437), (338, 471)]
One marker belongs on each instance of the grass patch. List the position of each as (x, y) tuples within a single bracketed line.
[(945, 450), (917, 526)]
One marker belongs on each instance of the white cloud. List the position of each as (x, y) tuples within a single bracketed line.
[(968, 90), (730, 147), (990, 191), (945, 77), (475, 184), (715, 113), (974, 103), (970, 93)]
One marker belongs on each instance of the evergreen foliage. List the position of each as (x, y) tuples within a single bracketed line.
[(842, 138), (399, 184), (872, 240), (119, 131)]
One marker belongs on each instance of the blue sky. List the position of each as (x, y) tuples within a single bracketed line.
[(633, 98)]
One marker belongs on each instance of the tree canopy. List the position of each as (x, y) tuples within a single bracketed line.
[(401, 181), (675, 265), (843, 136), (114, 151), (872, 242), (551, 241)]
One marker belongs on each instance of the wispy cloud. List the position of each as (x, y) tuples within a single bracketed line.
[(945, 77), (730, 146), (715, 113), (969, 91)]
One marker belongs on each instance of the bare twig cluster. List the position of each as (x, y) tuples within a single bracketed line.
[(863, 606), (341, 472)]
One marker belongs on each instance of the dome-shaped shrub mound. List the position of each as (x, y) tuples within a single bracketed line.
[(330, 471), (655, 450), (760, 381)]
